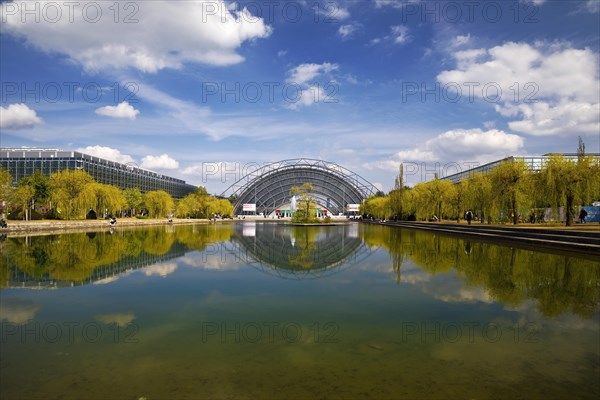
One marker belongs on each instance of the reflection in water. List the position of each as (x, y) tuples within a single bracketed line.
[(79, 258), (301, 251), (558, 283), (204, 320)]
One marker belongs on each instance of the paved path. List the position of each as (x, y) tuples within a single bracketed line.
[(58, 225)]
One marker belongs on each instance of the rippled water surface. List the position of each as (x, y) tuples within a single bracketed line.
[(248, 311)]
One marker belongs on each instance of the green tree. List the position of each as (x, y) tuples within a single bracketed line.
[(159, 203), (189, 206), (6, 188), (133, 199), (478, 195), (458, 199), (40, 184), (71, 193), (225, 208), (569, 183), (434, 198), (378, 207), (305, 202), (109, 199), (511, 187), (21, 197), (396, 201)]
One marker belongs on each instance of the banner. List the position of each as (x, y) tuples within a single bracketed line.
[(249, 207), (353, 207)]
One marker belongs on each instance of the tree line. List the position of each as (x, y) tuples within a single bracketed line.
[(510, 192), (74, 194)]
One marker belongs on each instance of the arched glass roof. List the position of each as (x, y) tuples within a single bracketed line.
[(334, 187)]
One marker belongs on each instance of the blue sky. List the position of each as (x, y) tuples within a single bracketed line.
[(200, 89)]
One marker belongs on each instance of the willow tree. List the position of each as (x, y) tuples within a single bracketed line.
[(159, 203), (189, 207), (6, 181), (511, 187), (133, 199), (434, 198), (569, 183), (458, 201), (71, 192), (378, 207), (478, 194), (109, 198)]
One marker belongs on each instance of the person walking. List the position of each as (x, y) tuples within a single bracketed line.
[(582, 215), (469, 216)]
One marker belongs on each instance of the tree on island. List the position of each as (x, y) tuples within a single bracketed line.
[(305, 203)]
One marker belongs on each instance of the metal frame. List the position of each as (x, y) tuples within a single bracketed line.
[(334, 187)]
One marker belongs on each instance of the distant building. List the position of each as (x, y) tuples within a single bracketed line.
[(23, 162), (535, 164)]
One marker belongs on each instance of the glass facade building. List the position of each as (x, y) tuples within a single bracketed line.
[(535, 164), (23, 162)]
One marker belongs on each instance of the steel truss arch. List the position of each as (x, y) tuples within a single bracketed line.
[(334, 187)]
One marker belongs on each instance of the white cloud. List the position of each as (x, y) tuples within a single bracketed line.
[(400, 34), (592, 6), (461, 40), (390, 3), (461, 144), (311, 95), (209, 260), (304, 73), (18, 116), (458, 146), (347, 31), (281, 53), (543, 119), (163, 34), (159, 162), (341, 13), (17, 311), (107, 153), (122, 110), (553, 88), (160, 269), (121, 319)]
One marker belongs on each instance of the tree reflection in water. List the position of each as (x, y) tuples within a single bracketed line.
[(73, 257), (558, 283)]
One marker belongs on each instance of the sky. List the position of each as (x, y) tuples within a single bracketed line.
[(207, 90)]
